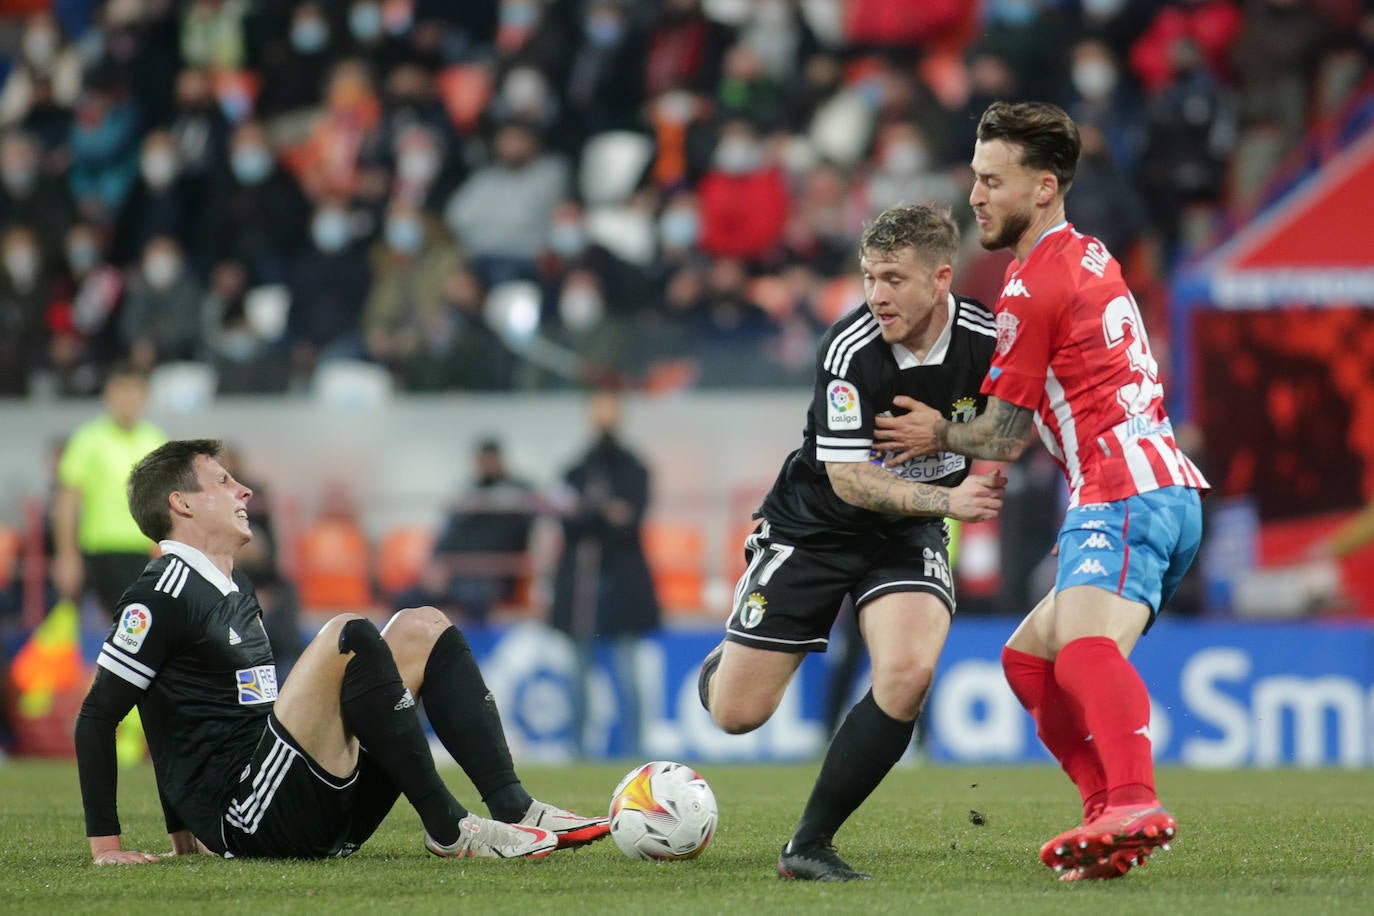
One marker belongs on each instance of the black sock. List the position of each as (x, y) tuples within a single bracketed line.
[(378, 708), (464, 715), (867, 745)]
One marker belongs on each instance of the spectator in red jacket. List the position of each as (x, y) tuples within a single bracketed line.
[(743, 197)]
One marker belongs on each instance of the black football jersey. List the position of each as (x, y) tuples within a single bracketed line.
[(193, 641), (857, 377)]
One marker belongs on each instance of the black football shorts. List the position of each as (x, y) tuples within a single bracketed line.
[(286, 806), (792, 588)]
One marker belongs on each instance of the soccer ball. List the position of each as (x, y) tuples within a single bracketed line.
[(664, 811)]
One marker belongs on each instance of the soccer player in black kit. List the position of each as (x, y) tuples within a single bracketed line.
[(838, 522), (307, 770)]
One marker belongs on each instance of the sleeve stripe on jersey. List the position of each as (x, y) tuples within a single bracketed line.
[(172, 566), (853, 338), (849, 354), (843, 441), (125, 658), (977, 328), (842, 454), (173, 578), (977, 315), (117, 668)]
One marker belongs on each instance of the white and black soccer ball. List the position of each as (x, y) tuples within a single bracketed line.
[(663, 811)]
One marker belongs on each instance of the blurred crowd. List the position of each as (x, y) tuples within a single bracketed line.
[(525, 194)]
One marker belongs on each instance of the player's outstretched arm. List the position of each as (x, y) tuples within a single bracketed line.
[(1000, 433), (867, 486)]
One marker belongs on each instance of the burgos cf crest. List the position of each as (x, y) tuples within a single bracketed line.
[(963, 410), (842, 406), (1007, 326), (752, 612)]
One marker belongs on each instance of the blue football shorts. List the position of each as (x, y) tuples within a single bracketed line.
[(1138, 547)]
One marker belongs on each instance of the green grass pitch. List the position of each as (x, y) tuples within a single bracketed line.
[(1253, 842)]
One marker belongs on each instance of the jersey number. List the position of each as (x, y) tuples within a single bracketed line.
[(780, 554), (1121, 324)]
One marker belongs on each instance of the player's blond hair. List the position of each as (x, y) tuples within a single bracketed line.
[(927, 228)]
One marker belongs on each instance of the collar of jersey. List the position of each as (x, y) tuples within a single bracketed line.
[(201, 564), (1062, 224), (936, 354)]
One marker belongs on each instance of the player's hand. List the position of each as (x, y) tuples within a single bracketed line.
[(978, 498), (908, 436), (106, 850), (184, 843)]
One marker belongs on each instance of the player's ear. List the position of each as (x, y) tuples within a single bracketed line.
[(178, 503), (1046, 188), (944, 277)]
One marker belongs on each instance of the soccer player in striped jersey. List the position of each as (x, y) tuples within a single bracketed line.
[(1074, 362), (307, 771), (838, 523)]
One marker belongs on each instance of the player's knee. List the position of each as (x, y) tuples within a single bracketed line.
[(353, 633), (416, 622), (734, 721), (899, 689), (740, 713)]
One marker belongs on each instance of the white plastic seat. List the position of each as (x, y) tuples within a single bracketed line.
[(612, 164), (181, 387), (351, 384)]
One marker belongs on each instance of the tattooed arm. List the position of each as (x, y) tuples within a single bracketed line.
[(1000, 433), (867, 486)]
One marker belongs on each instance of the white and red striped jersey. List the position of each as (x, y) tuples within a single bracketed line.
[(1071, 346)]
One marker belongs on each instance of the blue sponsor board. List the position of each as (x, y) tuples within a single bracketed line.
[(1223, 695)]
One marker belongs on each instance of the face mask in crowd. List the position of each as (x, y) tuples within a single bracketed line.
[(159, 168), (161, 269), (738, 156), (330, 231), (365, 21), (678, 227), (404, 234), (251, 164), (21, 263), (309, 35)]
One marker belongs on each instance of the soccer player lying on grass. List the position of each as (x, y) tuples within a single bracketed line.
[(310, 771)]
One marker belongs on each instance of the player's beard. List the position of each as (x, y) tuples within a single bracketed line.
[(1014, 225)]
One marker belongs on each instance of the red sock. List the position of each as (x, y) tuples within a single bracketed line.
[(1058, 724), (1116, 710)]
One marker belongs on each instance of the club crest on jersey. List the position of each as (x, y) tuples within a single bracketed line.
[(963, 410), (842, 406), (257, 684), (1007, 326), (132, 627), (1015, 287), (752, 612)]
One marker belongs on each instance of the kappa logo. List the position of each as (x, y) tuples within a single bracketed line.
[(1015, 288), (1090, 567), (1094, 524), (234, 637), (1096, 541), (1144, 732)]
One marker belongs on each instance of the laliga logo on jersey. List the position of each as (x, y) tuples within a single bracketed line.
[(133, 627), (1007, 326), (842, 406)]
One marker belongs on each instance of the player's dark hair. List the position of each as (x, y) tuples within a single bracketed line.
[(165, 470), (928, 228), (1044, 133)]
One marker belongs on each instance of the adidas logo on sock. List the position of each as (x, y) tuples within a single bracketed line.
[(234, 637), (406, 701)]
